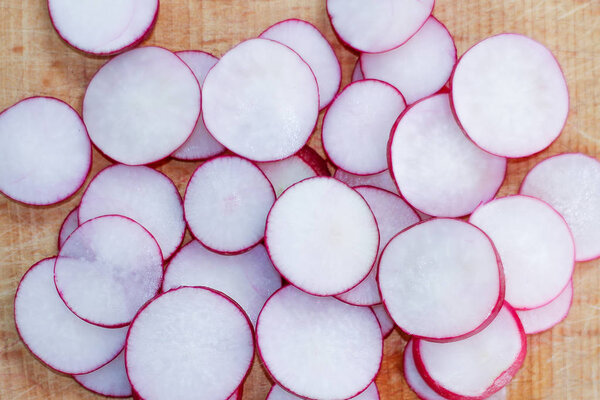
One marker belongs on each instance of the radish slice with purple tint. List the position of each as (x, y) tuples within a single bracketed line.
[(69, 225), (45, 152), (110, 380), (279, 393), (319, 347), (385, 321), (322, 236), (141, 105), (382, 180), (357, 74), (413, 377), (438, 170), (243, 105), (510, 95), (545, 317)]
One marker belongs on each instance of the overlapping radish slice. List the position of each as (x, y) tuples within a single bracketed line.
[(70, 223), (385, 321), (545, 317), (357, 73), (413, 377), (110, 380), (382, 180), (316, 162), (279, 393)]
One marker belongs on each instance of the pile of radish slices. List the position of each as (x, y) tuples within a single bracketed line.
[(309, 271)]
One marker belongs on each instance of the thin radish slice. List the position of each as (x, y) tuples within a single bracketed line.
[(382, 180), (438, 170), (385, 321), (356, 128), (243, 103), (45, 152), (535, 245), (413, 377), (322, 236), (545, 317), (447, 270), (319, 347), (357, 73), (69, 225), (110, 380), (571, 184), (418, 68), (310, 44), (510, 95), (316, 162), (195, 335), (279, 393), (107, 269), (141, 105), (226, 204), (53, 333)]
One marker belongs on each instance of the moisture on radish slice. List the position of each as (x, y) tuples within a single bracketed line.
[(110, 380), (382, 180), (279, 393), (545, 317), (385, 321), (357, 73), (69, 225)]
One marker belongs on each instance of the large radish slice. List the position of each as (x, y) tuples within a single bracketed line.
[(69, 225), (110, 380), (357, 73), (189, 343), (322, 236), (53, 333), (438, 170), (261, 100), (107, 269), (545, 317), (318, 347), (510, 95), (382, 180), (141, 105), (385, 321), (45, 152), (279, 393)]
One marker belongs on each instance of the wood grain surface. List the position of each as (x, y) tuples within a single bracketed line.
[(561, 364)]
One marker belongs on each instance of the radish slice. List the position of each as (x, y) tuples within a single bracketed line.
[(243, 100), (248, 278), (382, 180), (310, 44), (279, 393), (357, 73), (226, 204), (545, 317), (357, 126), (539, 264), (68, 226), (385, 321), (155, 203), (110, 380), (392, 215), (437, 169), (194, 335), (315, 161), (107, 269), (571, 184), (418, 68), (45, 153), (322, 236), (318, 347), (447, 270), (53, 333), (413, 377), (141, 105), (510, 95), (373, 26)]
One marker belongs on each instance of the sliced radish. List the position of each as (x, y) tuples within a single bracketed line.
[(141, 105), (279, 393), (45, 152), (110, 380), (70, 223), (319, 347), (413, 377), (322, 236), (438, 170), (382, 180), (385, 321), (316, 162), (261, 100), (357, 73), (545, 317), (510, 95)]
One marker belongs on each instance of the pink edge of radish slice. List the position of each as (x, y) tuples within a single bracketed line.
[(357, 73), (279, 393), (385, 321), (334, 347), (70, 223), (382, 180), (545, 317), (316, 162), (56, 336), (110, 380)]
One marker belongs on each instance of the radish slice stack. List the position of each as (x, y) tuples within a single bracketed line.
[(545, 317), (110, 380), (382, 180)]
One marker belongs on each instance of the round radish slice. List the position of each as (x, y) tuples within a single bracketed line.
[(278, 393), (319, 347), (107, 269), (447, 270), (68, 226), (418, 68), (261, 100), (571, 184), (310, 44), (110, 380), (385, 321), (322, 236), (413, 377), (141, 105), (357, 126), (189, 343), (438, 170), (45, 153), (382, 180), (226, 204), (53, 333), (510, 95), (545, 317)]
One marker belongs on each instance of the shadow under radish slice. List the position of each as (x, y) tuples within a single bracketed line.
[(110, 380), (279, 393), (385, 321), (382, 180), (545, 317), (70, 223)]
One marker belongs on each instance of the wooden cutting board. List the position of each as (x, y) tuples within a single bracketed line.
[(562, 364)]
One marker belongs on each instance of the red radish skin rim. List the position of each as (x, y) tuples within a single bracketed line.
[(76, 208), (314, 161), (562, 318)]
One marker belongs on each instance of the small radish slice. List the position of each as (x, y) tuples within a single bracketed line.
[(385, 321), (226, 204), (68, 226), (141, 105), (413, 377), (107, 269), (418, 68), (510, 95), (261, 100), (571, 184), (382, 180), (45, 152), (447, 270), (310, 44), (357, 73), (545, 317), (110, 380), (357, 126), (438, 170), (189, 343), (279, 393), (539, 264), (319, 347), (53, 333), (322, 236)]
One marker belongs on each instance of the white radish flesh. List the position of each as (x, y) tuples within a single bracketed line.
[(413, 377), (279, 393), (545, 317), (385, 321), (70, 223), (382, 180), (110, 380), (357, 73)]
